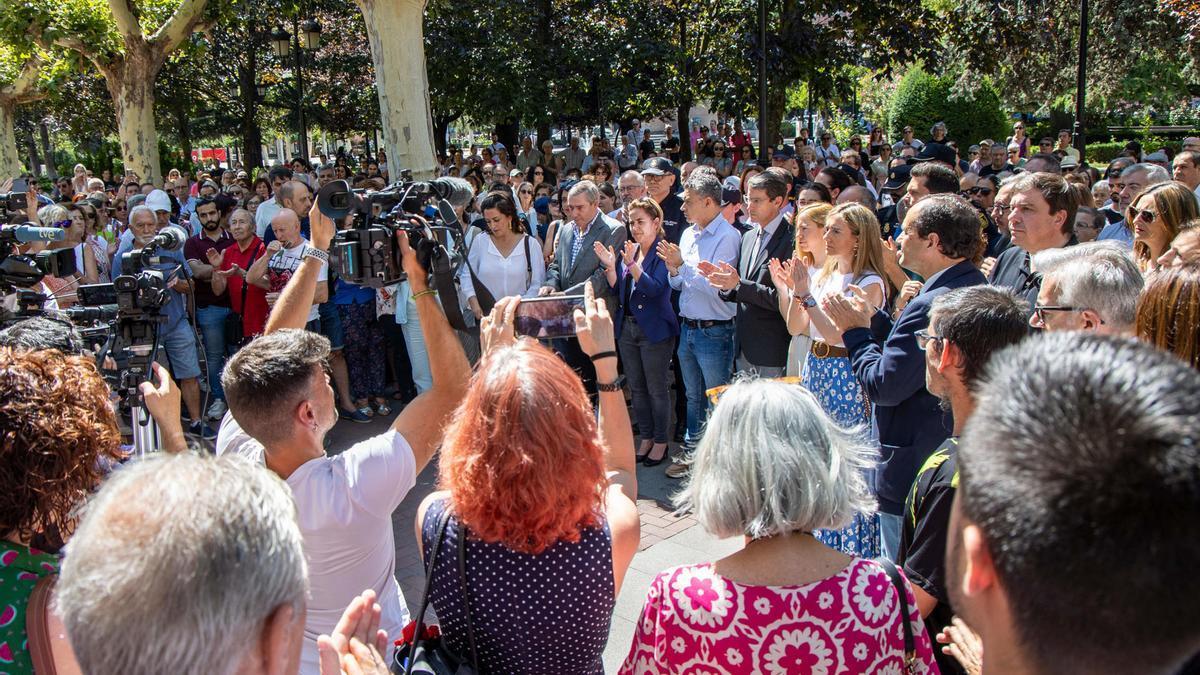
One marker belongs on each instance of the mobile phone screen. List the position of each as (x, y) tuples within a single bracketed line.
[(548, 317)]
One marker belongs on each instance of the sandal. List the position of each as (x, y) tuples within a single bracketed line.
[(382, 408)]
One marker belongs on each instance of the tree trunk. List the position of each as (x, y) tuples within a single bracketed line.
[(776, 102), (545, 16), (47, 151), (683, 130), (441, 124), (395, 31), (184, 131), (10, 158), (132, 91), (35, 159)]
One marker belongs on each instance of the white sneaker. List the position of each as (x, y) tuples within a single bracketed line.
[(216, 410)]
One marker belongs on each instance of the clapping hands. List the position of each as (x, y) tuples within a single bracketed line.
[(853, 310)]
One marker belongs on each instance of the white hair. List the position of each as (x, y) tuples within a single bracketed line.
[(142, 208), (634, 176), (772, 462), (1097, 275), (177, 563), (586, 188)]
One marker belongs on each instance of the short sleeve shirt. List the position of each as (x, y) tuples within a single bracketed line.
[(284, 264), (196, 248), (254, 311)]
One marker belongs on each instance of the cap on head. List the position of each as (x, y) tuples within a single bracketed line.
[(898, 177), (656, 166), (158, 200)]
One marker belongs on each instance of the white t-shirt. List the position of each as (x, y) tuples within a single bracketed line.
[(284, 264), (344, 506), (836, 284), (263, 215)]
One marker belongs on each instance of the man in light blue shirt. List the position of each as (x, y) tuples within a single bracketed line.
[(706, 338)]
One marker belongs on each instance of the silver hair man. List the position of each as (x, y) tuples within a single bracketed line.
[(765, 464), (1093, 286), (704, 184), (186, 564), (586, 188)]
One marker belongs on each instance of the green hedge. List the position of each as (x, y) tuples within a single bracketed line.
[(1099, 154), (921, 99)]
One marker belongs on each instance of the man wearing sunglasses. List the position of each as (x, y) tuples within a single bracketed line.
[(998, 158)]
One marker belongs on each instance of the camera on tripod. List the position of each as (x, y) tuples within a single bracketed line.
[(366, 254)]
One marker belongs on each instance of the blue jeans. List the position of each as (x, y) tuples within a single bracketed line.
[(418, 353), (706, 359), (211, 322), (889, 535)]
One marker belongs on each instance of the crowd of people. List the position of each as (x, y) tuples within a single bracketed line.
[(949, 404)]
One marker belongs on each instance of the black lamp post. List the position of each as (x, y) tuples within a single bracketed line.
[(307, 35), (1081, 81)]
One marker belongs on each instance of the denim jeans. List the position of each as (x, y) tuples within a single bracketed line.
[(706, 359), (211, 322), (889, 535), (418, 354), (648, 370)]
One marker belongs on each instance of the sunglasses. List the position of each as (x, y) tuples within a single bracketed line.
[(1144, 216), (526, 192), (982, 191)]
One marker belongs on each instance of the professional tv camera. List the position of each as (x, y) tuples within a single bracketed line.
[(20, 272), (366, 254)]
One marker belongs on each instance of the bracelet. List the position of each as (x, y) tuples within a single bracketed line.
[(427, 291), (603, 355)]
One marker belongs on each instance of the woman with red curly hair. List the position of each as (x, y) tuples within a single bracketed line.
[(538, 501), (57, 432)]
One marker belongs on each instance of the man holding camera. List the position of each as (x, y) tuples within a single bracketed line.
[(280, 409), (176, 334)]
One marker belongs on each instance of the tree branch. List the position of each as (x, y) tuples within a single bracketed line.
[(23, 88), (181, 24), (125, 16)]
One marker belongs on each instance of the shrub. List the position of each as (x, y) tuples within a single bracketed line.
[(921, 99)]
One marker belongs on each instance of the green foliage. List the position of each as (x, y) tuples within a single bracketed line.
[(921, 100)]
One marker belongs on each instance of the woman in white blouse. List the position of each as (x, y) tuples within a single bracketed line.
[(505, 260)]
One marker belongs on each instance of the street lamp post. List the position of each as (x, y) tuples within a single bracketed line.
[(307, 35), (1081, 81)]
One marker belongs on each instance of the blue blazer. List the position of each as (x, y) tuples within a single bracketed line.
[(891, 369), (650, 302)]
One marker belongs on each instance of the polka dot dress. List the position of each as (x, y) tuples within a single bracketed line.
[(546, 613)]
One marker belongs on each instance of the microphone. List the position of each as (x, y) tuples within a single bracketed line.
[(27, 233), (447, 213), (170, 238)]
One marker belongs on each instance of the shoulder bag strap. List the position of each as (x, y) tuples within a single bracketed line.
[(462, 571), (420, 618), (36, 628), (910, 649), (528, 262), (246, 279), (483, 295)]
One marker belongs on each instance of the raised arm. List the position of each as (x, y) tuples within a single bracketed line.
[(296, 301), (423, 421)]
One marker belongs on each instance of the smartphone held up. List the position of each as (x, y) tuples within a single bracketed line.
[(551, 316)]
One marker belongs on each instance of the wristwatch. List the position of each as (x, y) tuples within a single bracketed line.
[(614, 386), (312, 252), (807, 300)]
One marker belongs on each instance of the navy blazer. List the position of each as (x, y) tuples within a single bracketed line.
[(891, 369), (762, 333), (650, 302)]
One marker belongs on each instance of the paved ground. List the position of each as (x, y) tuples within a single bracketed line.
[(667, 539)]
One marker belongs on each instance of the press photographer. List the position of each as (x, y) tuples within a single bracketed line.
[(281, 407), (175, 334)]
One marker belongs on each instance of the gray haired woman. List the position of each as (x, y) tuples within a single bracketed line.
[(772, 467)]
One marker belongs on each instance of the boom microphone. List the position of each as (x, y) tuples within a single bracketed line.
[(27, 233)]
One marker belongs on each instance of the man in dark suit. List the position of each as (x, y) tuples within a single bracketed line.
[(575, 263), (938, 240), (762, 333)]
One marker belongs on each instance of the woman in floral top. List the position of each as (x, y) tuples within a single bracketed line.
[(772, 467), (57, 432)]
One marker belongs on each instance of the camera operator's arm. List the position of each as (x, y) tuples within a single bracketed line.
[(423, 421), (163, 401), (294, 303)]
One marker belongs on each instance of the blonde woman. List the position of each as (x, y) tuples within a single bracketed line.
[(854, 256), (1155, 216), (809, 224)]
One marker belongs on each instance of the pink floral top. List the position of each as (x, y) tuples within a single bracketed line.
[(698, 622)]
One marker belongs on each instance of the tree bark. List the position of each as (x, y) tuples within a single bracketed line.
[(132, 91), (35, 159), (47, 151), (441, 124), (395, 32), (251, 132), (683, 130), (10, 158)]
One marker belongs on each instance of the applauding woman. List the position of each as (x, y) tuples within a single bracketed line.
[(503, 262), (536, 516), (645, 324)]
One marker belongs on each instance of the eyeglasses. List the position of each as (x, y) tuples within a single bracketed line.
[(1018, 127), (924, 338), (1144, 216), (1039, 312), (539, 173), (526, 192), (982, 191), (1002, 208)]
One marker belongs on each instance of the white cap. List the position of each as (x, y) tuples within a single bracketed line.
[(158, 200)]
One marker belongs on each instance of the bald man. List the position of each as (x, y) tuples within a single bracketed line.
[(857, 193), (296, 197)]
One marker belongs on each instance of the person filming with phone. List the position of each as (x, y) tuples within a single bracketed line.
[(575, 263)]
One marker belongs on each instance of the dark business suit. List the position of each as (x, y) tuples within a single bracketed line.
[(570, 276), (891, 369), (646, 326), (762, 333)]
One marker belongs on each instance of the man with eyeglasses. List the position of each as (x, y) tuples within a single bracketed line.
[(966, 326), (1131, 183), (1089, 287), (659, 178), (939, 241)]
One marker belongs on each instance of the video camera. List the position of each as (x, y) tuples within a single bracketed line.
[(15, 200), (25, 270), (366, 254)]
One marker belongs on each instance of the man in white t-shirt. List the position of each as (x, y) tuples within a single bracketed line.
[(281, 406), (284, 256), (267, 210)]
